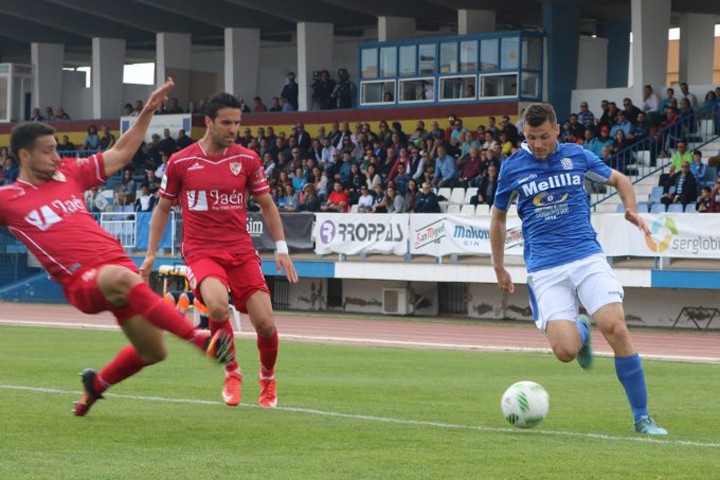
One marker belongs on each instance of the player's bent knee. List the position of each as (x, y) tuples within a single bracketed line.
[(265, 327), (564, 354), (219, 312), (153, 356)]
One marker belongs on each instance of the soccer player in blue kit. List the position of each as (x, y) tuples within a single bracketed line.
[(565, 262)]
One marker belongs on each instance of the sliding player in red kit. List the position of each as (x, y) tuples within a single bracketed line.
[(212, 180), (45, 210)]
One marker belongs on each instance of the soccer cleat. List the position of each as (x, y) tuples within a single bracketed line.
[(89, 395), (219, 347), (231, 389), (645, 424), (268, 394), (585, 355)]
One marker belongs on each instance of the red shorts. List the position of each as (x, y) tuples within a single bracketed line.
[(84, 294), (241, 274)]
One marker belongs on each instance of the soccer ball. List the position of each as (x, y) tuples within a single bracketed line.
[(525, 404)]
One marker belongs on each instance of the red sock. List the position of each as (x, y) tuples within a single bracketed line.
[(125, 364), (233, 365), (268, 347), (158, 312)]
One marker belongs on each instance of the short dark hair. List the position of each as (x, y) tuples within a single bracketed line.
[(23, 136), (539, 113), (219, 101)]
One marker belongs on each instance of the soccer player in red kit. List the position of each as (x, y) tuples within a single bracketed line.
[(212, 180), (45, 210)]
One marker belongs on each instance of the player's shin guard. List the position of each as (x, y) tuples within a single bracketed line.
[(125, 364), (268, 348), (215, 326), (629, 371)]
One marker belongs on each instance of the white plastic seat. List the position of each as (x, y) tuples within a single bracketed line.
[(457, 195), (453, 208), (444, 192), (469, 194), (468, 210)]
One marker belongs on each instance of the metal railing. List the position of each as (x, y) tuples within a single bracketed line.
[(651, 154), (121, 226)]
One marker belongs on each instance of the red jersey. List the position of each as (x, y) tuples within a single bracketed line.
[(51, 219), (213, 191)]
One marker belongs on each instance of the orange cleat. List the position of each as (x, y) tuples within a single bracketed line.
[(268, 394), (231, 389)]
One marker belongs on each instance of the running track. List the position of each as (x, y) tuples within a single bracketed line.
[(676, 345)]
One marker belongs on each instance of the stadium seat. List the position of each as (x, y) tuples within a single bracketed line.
[(655, 195), (468, 210), (657, 208), (482, 209), (690, 208), (642, 157), (470, 193), (457, 195), (676, 208), (620, 208), (453, 209), (354, 208), (444, 193), (643, 207)]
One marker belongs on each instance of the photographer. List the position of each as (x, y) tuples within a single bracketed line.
[(345, 92)]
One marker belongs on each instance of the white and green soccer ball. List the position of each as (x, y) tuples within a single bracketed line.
[(525, 404)]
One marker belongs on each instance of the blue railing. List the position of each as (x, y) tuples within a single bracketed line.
[(76, 153), (653, 153)]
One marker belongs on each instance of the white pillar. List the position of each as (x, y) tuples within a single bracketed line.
[(172, 59), (47, 61), (650, 24), (475, 21), (108, 60), (315, 52), (697, 48), (395, 28), (242, 62)]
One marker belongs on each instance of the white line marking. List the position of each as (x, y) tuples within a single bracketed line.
[(398, 421), (374, 341)]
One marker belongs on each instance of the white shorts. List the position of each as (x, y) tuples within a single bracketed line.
[(555, 292)]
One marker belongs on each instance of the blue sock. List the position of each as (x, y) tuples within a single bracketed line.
[(629, 371), (583, 330)]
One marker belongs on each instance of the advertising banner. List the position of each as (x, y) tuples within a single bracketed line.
[(297, 227), (683, 235), (440, 235), (353, 234)]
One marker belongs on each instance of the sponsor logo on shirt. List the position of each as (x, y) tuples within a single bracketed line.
[(48, 215), (555, 181), (203, 201), (543, 199)]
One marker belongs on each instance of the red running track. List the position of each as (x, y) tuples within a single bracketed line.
[(679, 345)]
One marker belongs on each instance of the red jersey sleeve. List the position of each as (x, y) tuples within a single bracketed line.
[(257, 181), (170, 185), (88, 172)]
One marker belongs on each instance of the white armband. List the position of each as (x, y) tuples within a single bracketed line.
[(281, 247)]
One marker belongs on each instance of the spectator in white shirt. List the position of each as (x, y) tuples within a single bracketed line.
[(651, 102)]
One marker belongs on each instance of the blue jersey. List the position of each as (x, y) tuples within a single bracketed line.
[(552, 203)]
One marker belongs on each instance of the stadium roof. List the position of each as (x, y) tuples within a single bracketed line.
[(75, 22)]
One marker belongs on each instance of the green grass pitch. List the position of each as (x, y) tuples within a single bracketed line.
[(346, 412)]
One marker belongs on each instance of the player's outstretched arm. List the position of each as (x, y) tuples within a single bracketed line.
[(274, 223), (627, 195), (127, 145), (498, 231), (158, 222)]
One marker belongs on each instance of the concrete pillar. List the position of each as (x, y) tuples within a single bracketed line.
[(47, 61), (561, 22), (618, 52), (475, 21), (395, 28), (108, 61), (172, 59), (242, 62), (315, 52), (697, 47), (650, 25)]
